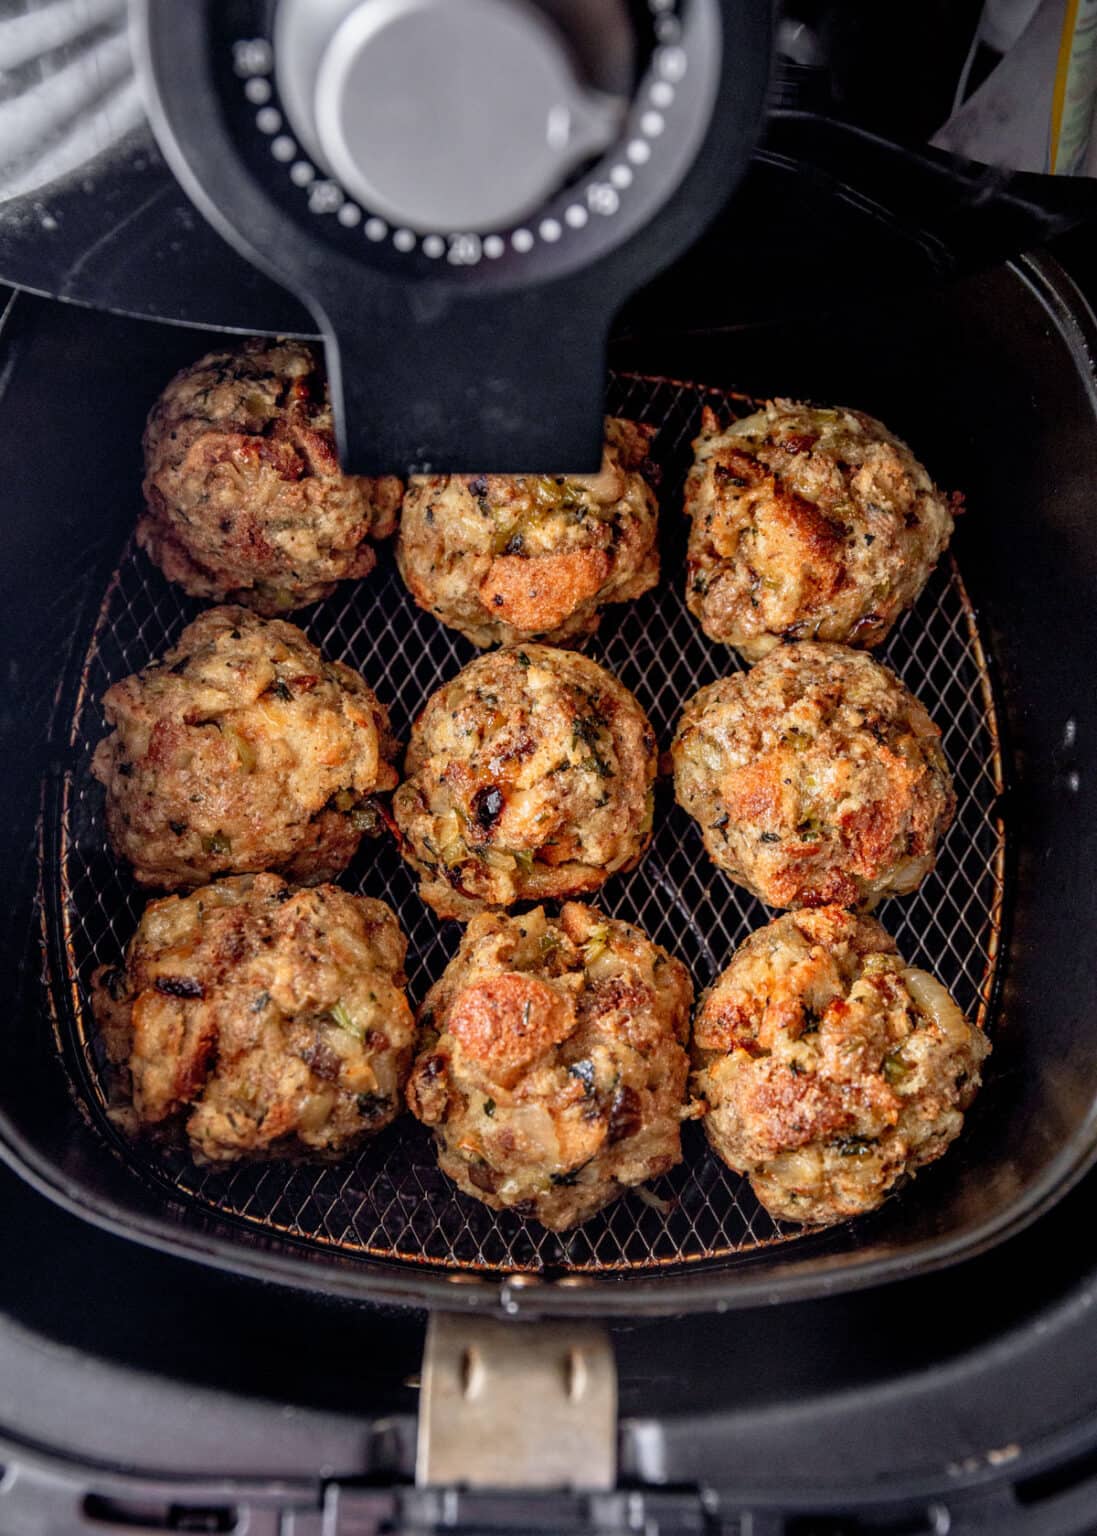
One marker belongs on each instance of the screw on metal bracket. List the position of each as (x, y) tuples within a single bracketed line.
[(508, 1405)]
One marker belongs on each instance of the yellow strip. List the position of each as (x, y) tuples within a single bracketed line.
[(1062, 72)]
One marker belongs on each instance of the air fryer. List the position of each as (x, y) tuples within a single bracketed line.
[(768, 1379)]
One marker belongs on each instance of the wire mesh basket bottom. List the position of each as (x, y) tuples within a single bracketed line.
[(389, 1200)]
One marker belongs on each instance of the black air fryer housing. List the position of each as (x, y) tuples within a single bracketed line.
[(939, 364), (968, 1391)]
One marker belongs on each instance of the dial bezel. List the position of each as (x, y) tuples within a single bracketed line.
[(579, 223)]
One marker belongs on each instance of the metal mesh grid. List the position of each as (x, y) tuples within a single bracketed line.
[(389, 1200)]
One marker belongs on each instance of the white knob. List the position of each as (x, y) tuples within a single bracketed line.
[(439, 114)]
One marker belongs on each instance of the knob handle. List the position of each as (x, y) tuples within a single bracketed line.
[(457, 390), (439, 114)]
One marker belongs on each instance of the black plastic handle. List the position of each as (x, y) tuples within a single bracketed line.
[(514, 383)]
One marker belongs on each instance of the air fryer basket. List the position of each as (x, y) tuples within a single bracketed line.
[(389, 1200), (989, 413)]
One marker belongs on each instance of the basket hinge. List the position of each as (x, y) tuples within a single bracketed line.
[(517, 1405)]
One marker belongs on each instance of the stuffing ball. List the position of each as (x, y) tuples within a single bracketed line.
[(242, 749), (831, 1068), (271, 1020), (815, 777), (528, 776), (552, 1065), (505, 557), (807, 524), (244, 495)]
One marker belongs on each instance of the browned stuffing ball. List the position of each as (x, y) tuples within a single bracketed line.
[(807, 524), (552, 1062), (241, 749), (504, 558), (244, 495), (815, 777), (528, 776), (267, 1020), (830, 1068)]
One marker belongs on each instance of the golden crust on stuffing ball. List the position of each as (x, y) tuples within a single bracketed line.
[(268, 1020), (528, 776), (830, 1068), (815, 777), (807, 524), (244, 495), (503, 558), (241, 749), (552, 1065)]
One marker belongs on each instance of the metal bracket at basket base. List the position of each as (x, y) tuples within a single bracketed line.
[(509, 1405)]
